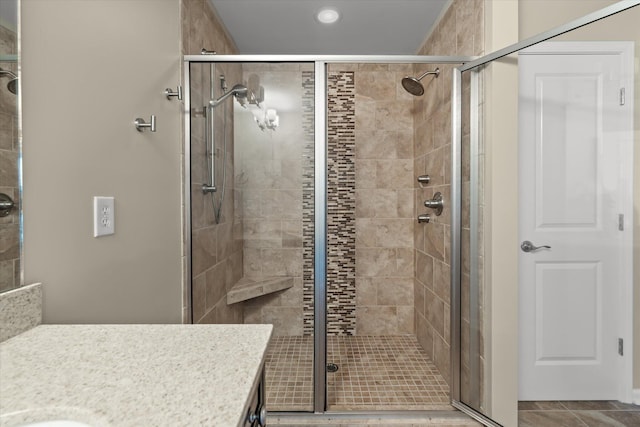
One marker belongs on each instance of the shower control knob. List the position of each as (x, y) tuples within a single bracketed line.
[(437, 203)]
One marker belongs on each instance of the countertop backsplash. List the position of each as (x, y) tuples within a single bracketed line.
[(20, 310)]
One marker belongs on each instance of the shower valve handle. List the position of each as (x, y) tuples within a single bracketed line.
[(437, 203)]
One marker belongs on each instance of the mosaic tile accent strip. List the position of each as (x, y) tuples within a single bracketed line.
[(375, 373), (308, 125), (341, 204)]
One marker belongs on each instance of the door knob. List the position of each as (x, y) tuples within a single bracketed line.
[(527, 246)]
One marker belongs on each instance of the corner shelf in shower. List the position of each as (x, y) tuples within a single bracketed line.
[(248, 288)]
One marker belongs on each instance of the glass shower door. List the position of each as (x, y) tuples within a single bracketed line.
[(253, 211)]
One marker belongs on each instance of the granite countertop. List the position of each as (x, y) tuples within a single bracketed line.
[(131, 375)]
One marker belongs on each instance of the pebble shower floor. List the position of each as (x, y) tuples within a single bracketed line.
[(375, 373)]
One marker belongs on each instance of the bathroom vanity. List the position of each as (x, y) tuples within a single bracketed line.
[(134, 375)]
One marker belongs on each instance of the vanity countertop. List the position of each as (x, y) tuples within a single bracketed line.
[(132, 375)]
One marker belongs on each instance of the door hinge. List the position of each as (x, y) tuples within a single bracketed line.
[(621, 222), (620, 346), (622, 96)]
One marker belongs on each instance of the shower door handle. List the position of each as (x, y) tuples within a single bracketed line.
[(527, 246)]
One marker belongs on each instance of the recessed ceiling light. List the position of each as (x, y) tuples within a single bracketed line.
[(327, 16)]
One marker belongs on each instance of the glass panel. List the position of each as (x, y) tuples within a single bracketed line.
[(387, 274), (472, 351), (569, 221), (10, 186), (253, 236)]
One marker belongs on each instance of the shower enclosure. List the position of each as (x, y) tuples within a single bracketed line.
[(330, 229), (314, 169)]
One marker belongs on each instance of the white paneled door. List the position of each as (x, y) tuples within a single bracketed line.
[(575, 133)]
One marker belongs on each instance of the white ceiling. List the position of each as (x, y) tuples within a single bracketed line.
[(366, 27)]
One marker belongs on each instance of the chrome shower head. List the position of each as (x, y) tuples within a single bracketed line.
[(13, 83), (413, 85)]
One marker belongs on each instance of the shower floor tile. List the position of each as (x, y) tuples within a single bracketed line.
[(375, 373)]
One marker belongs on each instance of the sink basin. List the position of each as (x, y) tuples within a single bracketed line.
[(56, 423), (53, 416)]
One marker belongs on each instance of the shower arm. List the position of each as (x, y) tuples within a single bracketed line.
[(436, 72), (11, 74), (237, 91)]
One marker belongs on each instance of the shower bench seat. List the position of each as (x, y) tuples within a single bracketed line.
[(248, 288)]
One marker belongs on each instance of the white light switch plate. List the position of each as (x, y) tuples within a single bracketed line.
[(103, 216)]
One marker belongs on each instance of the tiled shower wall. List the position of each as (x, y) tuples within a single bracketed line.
[(216, 247), (460, 31), (272, 178), (377, 174), (370, 204), (9, 150)]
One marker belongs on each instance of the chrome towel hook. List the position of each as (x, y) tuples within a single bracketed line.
[(169, 93), (141, 124)]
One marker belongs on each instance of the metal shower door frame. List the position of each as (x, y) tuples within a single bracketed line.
[(320, 202), (456, 189)]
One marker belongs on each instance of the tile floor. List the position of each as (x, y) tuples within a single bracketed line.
[(578, 414), (375, 373)]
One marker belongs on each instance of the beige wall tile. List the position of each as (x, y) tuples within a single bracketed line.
[(378, 320), (366, 291), (384, 233), (441, 280), (405, 262), (377, 85), (199, 297), (405, 203), (394, 291), (216, 284), (393, 115), (434, 308), (375, 262), (203, 252), (418, 297), (376, 203), (434, 240), (424, 333), (406, 320), (441, 357), (285, 320), (424, 269), (365, 114), (454, 34), (394, 174), (377, 144), (281, 262)]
